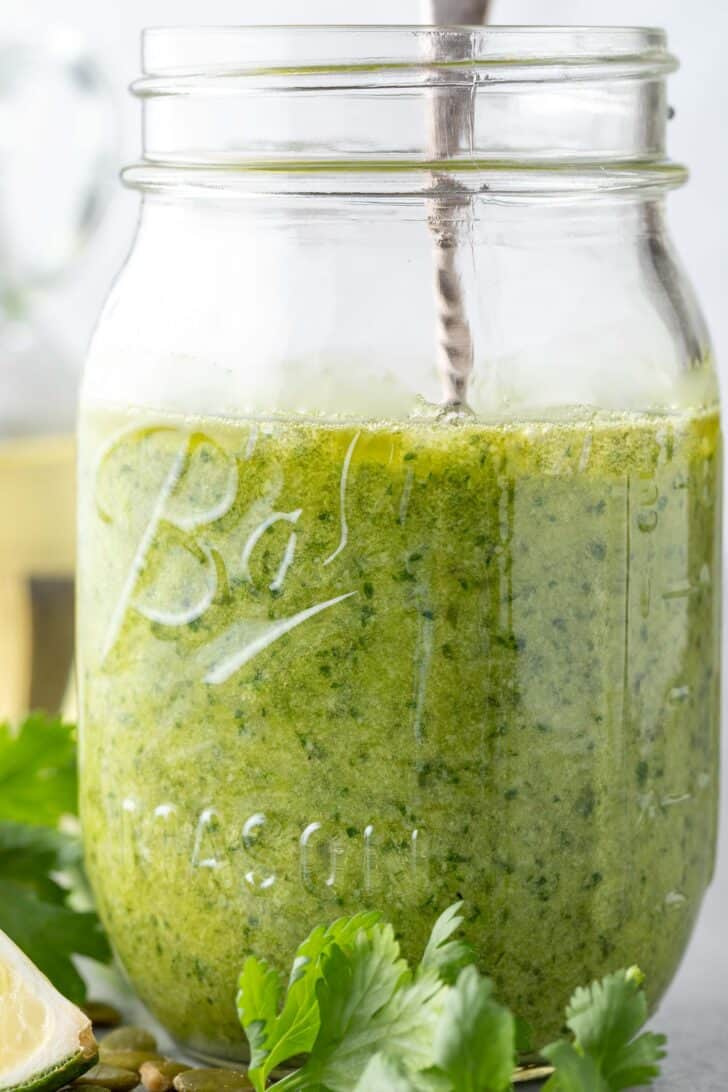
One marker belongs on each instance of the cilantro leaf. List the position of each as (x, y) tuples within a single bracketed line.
[(638, 1062), (274, 1037), (369, 1002), (28, 856), (50, 934), (443, 955), (259, 991), (386, 1073), (34, 908), (574, 1072), (357, 1019), (605, 1019), (38, 781), (475, 1037), (607, 1014)]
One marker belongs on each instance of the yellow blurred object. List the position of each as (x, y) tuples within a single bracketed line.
[(37, 555)]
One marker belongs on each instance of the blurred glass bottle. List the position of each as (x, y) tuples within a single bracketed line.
[(57, 154)]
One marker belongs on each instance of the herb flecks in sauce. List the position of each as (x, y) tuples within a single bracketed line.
[(329, 667)]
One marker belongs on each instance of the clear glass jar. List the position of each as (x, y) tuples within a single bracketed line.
[(399, 515)]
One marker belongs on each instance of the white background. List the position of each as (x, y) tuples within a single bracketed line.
[(698, 33)]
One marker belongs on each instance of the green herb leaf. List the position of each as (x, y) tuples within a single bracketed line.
[(28, 856), (638, 1062), (356, 1017), (50, 934), (34, 908), (38, 771), (370, 1003), (259, 991), (605, 1018), (274, 1037), (444, 955), (475, 1038), (385, 1073), (574, 1072)]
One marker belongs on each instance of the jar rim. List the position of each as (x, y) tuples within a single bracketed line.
[(406, 99), (290, 49)]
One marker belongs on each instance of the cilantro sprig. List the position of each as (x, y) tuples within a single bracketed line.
[(37, 790), (38, 771), (275, 1037), (355, 1017), (607, 1054)]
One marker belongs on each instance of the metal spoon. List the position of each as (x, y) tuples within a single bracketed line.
[(449, 114)]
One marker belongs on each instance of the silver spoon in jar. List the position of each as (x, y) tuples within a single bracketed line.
[(450, 114)]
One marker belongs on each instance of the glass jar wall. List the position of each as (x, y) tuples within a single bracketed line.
[(399, 515)]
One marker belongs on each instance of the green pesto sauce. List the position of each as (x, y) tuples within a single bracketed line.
[(334, 666)]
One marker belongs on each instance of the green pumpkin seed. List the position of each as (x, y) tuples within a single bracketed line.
[(102, 1015), (158, 1074), (211, 1080), (110, 1077), (126, 1059), (130, 1038)]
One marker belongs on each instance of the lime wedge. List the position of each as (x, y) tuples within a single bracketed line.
[(45, 1041)]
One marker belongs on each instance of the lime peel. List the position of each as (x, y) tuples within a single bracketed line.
[(45, 1040)]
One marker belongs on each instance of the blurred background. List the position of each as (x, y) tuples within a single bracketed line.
[(67, 123)]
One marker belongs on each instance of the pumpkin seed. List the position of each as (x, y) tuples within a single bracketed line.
[(102, 1014), (130, 1038), (110, 1077), (158, 1074), (126, 1059), (211, 1080)]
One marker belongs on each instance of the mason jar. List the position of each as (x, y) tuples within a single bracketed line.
[(399, 515)]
